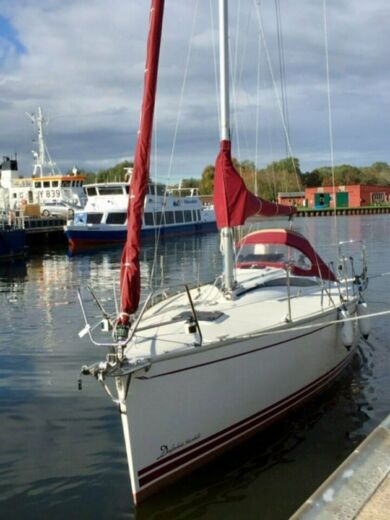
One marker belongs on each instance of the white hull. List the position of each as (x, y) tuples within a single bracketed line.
[(188, 408)]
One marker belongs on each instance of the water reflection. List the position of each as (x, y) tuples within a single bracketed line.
[(62, 450)]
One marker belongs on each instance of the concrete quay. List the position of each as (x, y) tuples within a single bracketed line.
[(360, 488), (330, 212)]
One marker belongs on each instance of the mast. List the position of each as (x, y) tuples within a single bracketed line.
[(40, 156), (130, 266), (41, 143), (226, 232)]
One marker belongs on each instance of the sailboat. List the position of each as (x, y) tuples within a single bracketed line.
[(195, 371)]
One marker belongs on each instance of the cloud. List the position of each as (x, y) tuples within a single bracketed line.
[(83, 63)]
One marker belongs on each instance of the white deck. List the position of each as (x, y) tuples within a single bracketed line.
[(257, 309)]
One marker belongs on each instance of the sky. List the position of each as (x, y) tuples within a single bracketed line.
[(82, 61)]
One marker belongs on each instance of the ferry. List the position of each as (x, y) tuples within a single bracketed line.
[(167, 212), (46, 184)]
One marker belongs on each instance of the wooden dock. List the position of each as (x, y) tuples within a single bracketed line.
[(360, 488)]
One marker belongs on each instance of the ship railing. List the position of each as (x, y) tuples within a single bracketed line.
[(11, 220), (109, 322), (352, 267)]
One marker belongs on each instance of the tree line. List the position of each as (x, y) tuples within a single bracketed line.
[(284, 175)]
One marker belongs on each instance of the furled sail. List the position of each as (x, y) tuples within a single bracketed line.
[(130, 269), (233, 202)]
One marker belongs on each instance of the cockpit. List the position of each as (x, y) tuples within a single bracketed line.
[(284, 249), (271, 254)]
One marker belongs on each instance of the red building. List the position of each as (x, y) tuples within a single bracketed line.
[(354, 196)]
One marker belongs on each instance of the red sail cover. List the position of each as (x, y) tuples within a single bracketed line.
[(233, 202), (130, 278)]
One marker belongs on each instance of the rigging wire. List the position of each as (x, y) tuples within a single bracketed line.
[(214, 46), (279, 104), (330, 124), (179, 112), (282, 67), (235, 62), (244, 54), (184, 83), (257, 111)]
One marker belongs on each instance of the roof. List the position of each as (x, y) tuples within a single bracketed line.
[(291, 194)]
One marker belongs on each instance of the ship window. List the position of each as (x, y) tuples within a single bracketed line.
[(66, 184), (199, 217), (179, 216), (46, 184), (159, 218), (169, 217), (127, 187), (187, 216), (151, 189), (91, 191), (38, 184), (54, 184), (116, 218), (110, 190), (94, 218), (160, 189), (149, 219)]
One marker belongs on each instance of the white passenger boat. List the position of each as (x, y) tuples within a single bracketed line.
[(46, 184), (196, 371), (167, 213)]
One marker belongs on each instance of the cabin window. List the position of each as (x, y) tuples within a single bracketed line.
[(149, 221), (94, 218), (46, 184), (187, 216), (179, 217), (91, 191), (199, 217), (116, 218), (38, 184), (110, 190), (169, 217), (54, 184), (66, 184), (127, 187), (151, 189)]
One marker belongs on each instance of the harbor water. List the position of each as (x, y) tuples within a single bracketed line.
[(62, 452)]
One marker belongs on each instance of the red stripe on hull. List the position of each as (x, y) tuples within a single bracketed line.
[(209, 448)]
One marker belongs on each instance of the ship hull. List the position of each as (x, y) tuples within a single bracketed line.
[(12, 243), (187, 409), (84, 236)]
